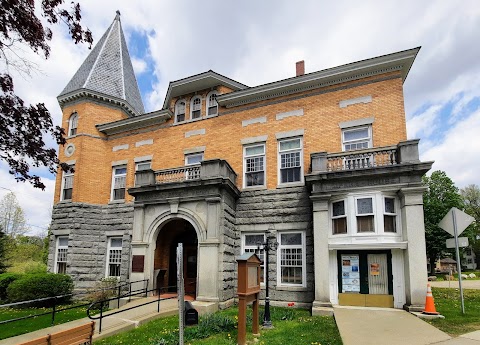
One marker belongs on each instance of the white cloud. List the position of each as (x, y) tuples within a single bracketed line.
[(139, 66)]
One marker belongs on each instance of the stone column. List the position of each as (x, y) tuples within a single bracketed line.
[(413, 230), (208, 276), (322, 304), (213, 212)]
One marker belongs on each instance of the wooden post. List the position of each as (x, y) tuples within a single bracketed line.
[(248, 291)]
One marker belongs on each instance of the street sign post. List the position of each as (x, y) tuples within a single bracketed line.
[(181, 293), (454, 222), (462, 242)]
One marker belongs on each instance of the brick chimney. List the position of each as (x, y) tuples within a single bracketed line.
[(300, 68)]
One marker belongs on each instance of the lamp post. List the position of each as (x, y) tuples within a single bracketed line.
[(267, 246)]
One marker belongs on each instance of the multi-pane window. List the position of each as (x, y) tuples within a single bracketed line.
[(72, 124), (195, 108), (339, 217), (180, 111), (212, 105), (365, 215), (67, 184), (118, 182), (253, 243), (146, 165), (291, 251), (114, 256), (389, 215), (254, 161), (290, 152), (61, 255), (193, 159), (356, 138)]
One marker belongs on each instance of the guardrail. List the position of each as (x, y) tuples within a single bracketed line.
[(55, 301), (178, 174), (99, 305)]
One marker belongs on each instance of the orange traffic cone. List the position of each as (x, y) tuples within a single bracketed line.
[(429, 303)]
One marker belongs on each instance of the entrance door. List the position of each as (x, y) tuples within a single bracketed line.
[(365, 279), (190, 269)]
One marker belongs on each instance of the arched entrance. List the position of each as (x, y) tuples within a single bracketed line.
[(170, 235)]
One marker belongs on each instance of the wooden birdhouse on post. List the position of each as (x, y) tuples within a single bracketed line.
[(248, 291)]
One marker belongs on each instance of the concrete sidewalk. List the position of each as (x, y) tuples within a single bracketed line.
[(123, 321), (381, 326)]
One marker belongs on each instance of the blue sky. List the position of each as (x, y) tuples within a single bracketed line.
[(256, 42)]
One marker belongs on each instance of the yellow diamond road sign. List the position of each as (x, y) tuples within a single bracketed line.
[(462, 219)]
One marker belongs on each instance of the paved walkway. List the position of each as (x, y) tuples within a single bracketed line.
[(381, 326), (126, 320)]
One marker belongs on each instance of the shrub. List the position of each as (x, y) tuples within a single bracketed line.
[(5, 280), (104, 289), (33, 286)]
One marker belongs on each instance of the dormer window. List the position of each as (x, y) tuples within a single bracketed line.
[(212, 105), (180, 111), (72, 124), (195, 108)]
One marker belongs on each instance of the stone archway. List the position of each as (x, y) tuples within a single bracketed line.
[(173, 232)]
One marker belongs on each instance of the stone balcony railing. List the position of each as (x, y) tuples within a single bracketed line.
[(209, 169), (404, 152)]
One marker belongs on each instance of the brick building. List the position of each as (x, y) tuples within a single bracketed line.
[(320, 163)]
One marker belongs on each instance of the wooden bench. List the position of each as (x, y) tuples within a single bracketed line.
[(74, 336)]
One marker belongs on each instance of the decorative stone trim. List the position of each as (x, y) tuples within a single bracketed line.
[(345, 103), (195, 132), (122, 162), (144, 142), (281, 116), (143, 158), (69, 150), (355, 123), (290, 134), (196, 149), (248, 122), (71, 162), (253, 140), (120, 147)]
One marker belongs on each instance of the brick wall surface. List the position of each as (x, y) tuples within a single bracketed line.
[(94, 152)]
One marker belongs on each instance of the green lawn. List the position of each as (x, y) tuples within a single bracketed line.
[(291, 326), (12, 329), (447, 303)]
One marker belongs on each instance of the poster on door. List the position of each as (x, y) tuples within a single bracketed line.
[(350, 274)]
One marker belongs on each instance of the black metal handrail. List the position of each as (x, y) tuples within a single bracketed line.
[(101, 316), (118, 288)]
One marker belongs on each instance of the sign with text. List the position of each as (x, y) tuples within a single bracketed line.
[(462, 219), (462, 242)]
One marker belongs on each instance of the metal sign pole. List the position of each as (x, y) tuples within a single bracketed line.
[(181, 293), (459, 266)]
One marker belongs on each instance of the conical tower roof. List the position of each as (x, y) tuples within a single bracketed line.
[(108, 72)]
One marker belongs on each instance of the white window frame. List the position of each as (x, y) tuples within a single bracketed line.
[(280, 153), (193, 174), (113, 181), (254, 249), (374, 208), (177, 111), (368, 140), (64, 250), (73, 124), (67, 175), (345, 206), (245, 157), (209, 103), (281, 246), (139, 166), (385, 213), (196, 107), (109, 257)]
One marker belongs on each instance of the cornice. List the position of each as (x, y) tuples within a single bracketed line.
[(136, 122)]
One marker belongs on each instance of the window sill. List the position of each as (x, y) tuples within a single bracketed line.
[(254, 188), (121, 201), (291, 288), (291, 184), (65, 201)]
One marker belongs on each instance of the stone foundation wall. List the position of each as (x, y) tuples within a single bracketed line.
[(286, 209), (88, 228)]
